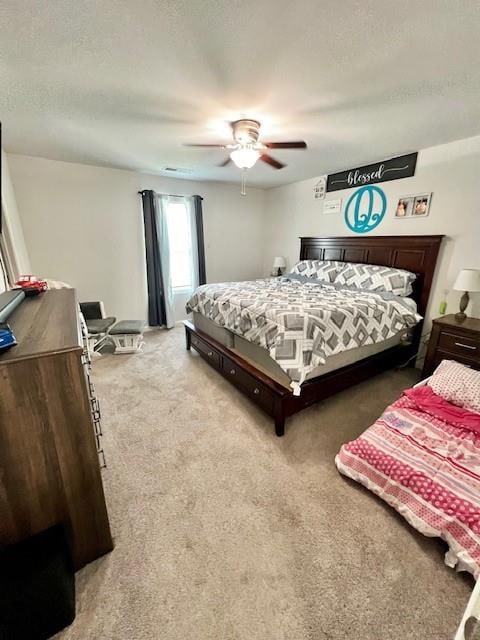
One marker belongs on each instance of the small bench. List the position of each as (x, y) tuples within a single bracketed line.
[(127, 336)]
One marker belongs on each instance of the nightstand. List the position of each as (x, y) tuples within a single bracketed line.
[(452, 340)]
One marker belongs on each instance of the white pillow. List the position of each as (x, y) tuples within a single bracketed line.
[(376, 278), (458, 384), (323, 270)]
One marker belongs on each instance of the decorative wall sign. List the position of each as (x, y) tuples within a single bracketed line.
[(332, 206), (413, 206), (365, 209), (393, 169), (320, 188)]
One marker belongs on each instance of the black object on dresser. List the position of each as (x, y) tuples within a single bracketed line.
[(9, 300), (453, 340)]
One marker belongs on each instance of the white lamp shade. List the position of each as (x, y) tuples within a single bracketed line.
[(468, 280), (245, 158), (279, 262)]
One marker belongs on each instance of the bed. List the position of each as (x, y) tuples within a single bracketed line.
[(422, 457), (285, 381)]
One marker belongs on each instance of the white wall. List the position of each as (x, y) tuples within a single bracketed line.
[(84, 225), (12, 226), (450, 171)]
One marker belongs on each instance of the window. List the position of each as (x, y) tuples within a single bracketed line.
[(181, 245)]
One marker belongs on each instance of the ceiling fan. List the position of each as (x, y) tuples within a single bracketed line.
[(246, 148)]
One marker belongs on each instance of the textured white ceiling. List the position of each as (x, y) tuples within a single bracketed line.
[(123, 83)]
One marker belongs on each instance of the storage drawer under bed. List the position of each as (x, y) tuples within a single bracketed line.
[(258, 392), (207, 351)]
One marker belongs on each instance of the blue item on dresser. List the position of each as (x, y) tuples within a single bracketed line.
[(7, 339)]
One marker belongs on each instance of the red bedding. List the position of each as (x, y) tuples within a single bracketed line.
[(422, 456)]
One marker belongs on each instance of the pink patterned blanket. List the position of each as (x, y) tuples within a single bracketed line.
[(419, 460)]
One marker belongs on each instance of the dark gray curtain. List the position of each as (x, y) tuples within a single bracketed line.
[(156, 297), (197, 204)]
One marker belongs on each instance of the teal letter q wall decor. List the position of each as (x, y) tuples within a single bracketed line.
[(365, 209)]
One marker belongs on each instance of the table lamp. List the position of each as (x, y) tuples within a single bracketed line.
[(279, 264), (467, 280)]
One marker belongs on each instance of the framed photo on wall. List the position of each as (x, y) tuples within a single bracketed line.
[(413, 206), (421, 206), (404, 207)]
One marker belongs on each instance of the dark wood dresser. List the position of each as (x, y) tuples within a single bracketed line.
[(49, 467), (452, 340)]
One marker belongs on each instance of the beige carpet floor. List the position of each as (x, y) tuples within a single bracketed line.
[(224, 531)]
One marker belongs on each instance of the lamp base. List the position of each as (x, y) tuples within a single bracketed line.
[(464, 300), (279, 271)]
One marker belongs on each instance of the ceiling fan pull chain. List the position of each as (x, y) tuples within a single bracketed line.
[(243, 192)]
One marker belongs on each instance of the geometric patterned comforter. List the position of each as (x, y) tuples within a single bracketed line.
[(300, 323)]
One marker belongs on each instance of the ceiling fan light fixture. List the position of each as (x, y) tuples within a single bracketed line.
[(245, 157)]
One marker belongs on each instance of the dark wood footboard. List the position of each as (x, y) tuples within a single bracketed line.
[(260, 388), (275, 399)]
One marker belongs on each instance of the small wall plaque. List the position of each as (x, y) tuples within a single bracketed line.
[(320, 188), (332, 206)]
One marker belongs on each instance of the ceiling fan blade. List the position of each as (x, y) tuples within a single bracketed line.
[(299, 144), (217, 146), (225, 162), (271, 161)]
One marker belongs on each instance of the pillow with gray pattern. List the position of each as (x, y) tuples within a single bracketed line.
[(323, 270), (376, 278)]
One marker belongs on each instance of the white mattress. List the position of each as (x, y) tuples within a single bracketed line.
[(261, 359)]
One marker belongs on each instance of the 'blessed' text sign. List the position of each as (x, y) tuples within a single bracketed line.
[(393, 169)]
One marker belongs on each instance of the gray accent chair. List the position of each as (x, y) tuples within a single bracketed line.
[(97, 323)]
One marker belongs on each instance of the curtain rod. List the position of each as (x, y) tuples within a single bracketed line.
[(170, 195)]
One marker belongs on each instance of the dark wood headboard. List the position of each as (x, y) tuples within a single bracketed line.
[(414, 253)]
